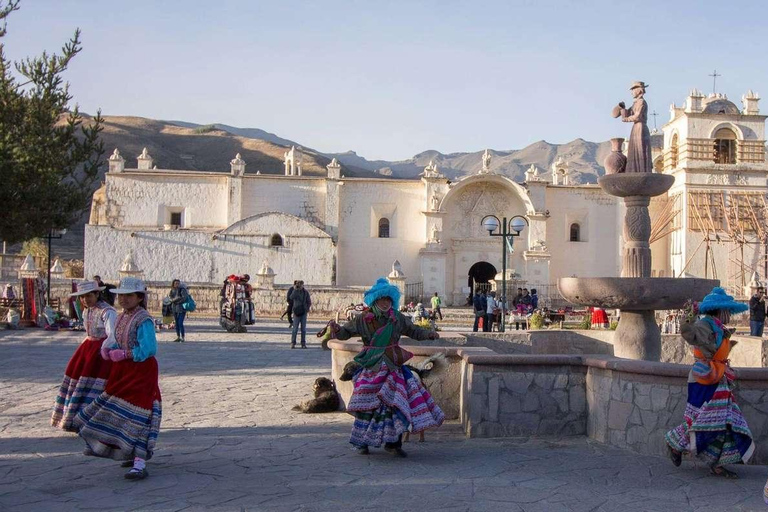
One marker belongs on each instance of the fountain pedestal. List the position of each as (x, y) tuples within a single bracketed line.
[(635, 293)]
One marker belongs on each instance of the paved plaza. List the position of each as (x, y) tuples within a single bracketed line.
[(229, 441)]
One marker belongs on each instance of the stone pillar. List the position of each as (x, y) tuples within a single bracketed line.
[(145, 161), (397, 277), (116, 162), (749, 101), (235, 184), (28, 268), (237, 166), (334, 170), (637, 233), (57, 270), (265, 277), (129, 268)]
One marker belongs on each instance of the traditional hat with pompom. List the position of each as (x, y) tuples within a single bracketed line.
[(718, 300), (382, 288)]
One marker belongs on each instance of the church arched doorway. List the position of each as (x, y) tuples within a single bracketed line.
[(479, 277)]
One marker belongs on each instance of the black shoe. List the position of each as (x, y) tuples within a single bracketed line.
[(675, 456), (363, 450), (303, 345), (293, 345), (127, 464), (135, 474), (397, 452)]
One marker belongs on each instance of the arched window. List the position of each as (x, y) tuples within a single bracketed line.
[(725, 146), (383, 227), (673, 151), (575, 232), (276, 241)]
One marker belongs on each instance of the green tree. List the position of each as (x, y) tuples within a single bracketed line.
[(50, 154)]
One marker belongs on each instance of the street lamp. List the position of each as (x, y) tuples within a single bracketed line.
[(54, 233), (508, 231)]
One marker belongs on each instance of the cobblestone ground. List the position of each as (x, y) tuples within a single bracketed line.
[(229, 441)]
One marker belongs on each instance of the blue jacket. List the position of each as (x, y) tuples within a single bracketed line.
[(480, 302)]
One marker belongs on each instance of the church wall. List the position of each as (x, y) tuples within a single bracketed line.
[(596, 213), (302, 197), (362, 256), (195, 256), (142, 199)]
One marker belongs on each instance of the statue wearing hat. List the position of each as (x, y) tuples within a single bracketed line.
[(714, 429), (639, 150)]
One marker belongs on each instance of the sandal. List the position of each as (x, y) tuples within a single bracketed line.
[(721, 471), (675, 456)]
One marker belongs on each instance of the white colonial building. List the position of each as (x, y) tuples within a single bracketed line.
[(338, 231)]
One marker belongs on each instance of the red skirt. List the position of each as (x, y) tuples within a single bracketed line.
[(600, 319), (124, 421), (84, 380)]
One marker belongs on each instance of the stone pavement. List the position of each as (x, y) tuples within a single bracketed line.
[(229, 441)]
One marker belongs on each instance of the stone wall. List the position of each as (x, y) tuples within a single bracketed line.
[(325, 301), (522, 396)]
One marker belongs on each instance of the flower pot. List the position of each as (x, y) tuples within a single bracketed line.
[(615, 162)]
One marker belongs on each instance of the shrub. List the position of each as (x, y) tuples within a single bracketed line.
[(614, 325), (536, 321), (74, 268), (586, 322), (205, 129)]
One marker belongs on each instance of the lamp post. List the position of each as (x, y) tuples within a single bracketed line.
[(57, 234), (508, 231)]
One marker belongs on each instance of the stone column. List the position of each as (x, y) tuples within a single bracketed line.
[(57, 270), (637, 233), (28, 268), (397, 277), (129, 268), (116, 162), (265, 277), (144, 160), (235, 182)]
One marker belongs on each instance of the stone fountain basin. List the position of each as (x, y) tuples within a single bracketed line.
[(634, 293), (646, 184)]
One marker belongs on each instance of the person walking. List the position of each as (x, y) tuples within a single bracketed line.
[(178, 296), (757, 313), (289, 304), (436, 302), (123, 422), (490, 312), (301, 304), (479, 303), (86, 374)]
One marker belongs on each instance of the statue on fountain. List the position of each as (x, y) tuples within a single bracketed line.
[(639, 152)]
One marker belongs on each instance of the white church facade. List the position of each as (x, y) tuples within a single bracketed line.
[(337, 231)]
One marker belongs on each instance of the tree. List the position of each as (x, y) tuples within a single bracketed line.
[(50, 155)]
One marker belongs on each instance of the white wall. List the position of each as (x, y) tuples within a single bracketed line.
[(140, 199), (361, 257), (299, 196)]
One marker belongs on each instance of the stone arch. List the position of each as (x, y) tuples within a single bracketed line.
[(503, 181), (731, 126), (270, 223)]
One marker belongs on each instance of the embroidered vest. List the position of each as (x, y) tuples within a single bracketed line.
[(127, 328), (94, 320)]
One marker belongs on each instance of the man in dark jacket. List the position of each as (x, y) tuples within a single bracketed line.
[(300, 309), (757, 313), (479, 304)]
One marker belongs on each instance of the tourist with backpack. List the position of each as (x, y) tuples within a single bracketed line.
[(302, 302), (180, 303)]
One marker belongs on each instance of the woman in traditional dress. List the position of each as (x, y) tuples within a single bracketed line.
[(599, 318), (387, 399), (714, 428), (86, 373), (639, 149), (123, 422)]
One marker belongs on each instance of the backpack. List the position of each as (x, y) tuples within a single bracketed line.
[(189, 305)]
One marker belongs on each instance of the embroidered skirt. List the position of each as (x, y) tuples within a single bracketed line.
[(386, 403), (123, 422), (714, 428), (84, 380)]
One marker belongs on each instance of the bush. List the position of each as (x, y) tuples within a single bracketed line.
[(205, 129), (74, 268), (37, 247), (614, 325), (586, 323), (536, 321)]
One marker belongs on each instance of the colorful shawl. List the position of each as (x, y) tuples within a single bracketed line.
[(381, 346)]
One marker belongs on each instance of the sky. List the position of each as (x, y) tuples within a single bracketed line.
[(391, 79)]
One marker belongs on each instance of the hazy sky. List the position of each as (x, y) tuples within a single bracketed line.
[(390, 79)]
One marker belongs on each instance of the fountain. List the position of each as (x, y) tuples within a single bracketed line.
[(635, 293)]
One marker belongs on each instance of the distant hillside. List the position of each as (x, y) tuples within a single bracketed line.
[(188, 146)]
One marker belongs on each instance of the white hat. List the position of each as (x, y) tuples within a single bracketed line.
[(130, 285), (86, 287)]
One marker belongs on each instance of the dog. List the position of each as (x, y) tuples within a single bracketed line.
[(420, 371), (326, 398)]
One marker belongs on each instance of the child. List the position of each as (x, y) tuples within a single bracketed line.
[(123, 422), (86, 373)]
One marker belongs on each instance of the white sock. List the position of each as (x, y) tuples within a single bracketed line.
[(139, 463)]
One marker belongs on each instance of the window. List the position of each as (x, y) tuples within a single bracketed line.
[(725, 147), (276, 241), (383, 228), (575, 233), (176, 219)]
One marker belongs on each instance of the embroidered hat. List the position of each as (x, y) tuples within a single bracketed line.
[(719, 300), (130, 285), (86, 287), (382, 288)]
